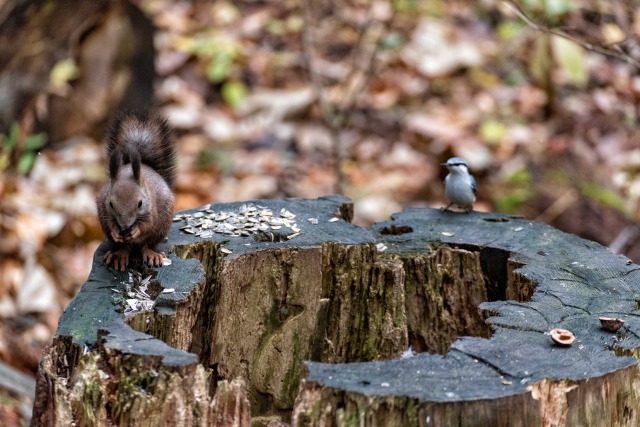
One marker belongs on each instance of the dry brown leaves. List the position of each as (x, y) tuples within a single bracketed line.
[(408, 84)]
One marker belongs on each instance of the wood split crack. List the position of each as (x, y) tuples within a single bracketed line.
[(496, 368)]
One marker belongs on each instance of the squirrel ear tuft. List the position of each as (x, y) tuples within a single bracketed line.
[(115, 161), (134, 156)]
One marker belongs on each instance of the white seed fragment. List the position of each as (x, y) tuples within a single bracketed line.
[(448, 233), (226, 251), (313, 221), (166, 262), (168, 291), (518, 229), (334, 219), (381, 247)]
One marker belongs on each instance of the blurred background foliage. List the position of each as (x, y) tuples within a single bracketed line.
[(301, 98)]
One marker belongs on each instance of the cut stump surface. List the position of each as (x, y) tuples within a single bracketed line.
[(431, 318)]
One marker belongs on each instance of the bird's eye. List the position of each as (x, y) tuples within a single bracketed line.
[(139, 204)]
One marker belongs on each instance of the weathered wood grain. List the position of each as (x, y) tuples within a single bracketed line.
[(475, 294), (517, 376)]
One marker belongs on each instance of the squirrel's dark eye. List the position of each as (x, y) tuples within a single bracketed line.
[(139, 204), (111, 204)]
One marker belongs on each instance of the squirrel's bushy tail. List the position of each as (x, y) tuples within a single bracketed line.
[(149, 136)]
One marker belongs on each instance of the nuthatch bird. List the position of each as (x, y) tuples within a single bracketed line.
[(459, 185)]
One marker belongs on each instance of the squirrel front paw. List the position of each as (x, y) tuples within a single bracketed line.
[(151, 257), (134, 233), (120, 258), (115, 234)]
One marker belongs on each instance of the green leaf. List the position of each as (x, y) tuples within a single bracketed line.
[(492, 131), (26, 162), (515, 77), (512, 200), (35, 142), (533, 4), (510, 30), (276, 26), (604, 196), (234, 93), (557, 7), (392, 40), (521, 177), (571, 59), (516, 190), (12, 139), (220, 66)]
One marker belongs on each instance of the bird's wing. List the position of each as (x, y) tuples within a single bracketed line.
[(474, 187)]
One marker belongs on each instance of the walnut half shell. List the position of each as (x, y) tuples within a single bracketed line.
[(611, 324), (562, 337)]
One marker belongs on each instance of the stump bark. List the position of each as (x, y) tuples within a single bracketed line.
[(313, 327)]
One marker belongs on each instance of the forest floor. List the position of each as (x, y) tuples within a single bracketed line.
[(548, 127)]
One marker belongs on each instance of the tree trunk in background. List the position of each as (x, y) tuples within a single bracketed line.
[(234, 319), (110, 45)]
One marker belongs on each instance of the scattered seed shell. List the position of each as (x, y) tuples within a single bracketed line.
[(611, 324), (381, 247), (448, 233), (226, 251), (334, 219), (562, 337), (166, 261)]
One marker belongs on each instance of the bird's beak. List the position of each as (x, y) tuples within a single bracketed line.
[(444, 164)]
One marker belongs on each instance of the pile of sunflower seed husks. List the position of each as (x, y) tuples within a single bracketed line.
[(134, 295), (248, 220)]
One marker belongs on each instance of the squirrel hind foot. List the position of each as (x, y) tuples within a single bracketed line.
[(152, 258), (119, 258)]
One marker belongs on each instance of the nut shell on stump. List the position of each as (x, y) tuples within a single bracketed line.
[(562, 337), (611, 324)]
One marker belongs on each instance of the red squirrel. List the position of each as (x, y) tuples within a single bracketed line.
[(135, 207)]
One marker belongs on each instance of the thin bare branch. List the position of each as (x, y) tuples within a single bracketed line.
[(337, 116), (619, 54), (328, 112)]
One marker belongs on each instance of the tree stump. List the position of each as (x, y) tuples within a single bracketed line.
[(304, 320)]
